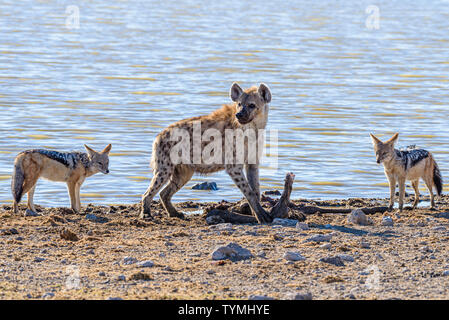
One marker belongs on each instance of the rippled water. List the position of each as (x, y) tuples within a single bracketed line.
[(133, 67)]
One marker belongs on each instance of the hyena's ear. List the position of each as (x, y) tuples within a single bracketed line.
[(107, 149), (265, 92), (90, 151), (375, 140), (393, 139), (235, 92)]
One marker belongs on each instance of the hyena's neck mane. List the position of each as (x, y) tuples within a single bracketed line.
[(227, 114)]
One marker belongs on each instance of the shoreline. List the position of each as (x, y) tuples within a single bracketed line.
[(107, 252)]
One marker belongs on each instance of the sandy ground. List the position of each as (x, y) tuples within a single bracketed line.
[(97, 255)]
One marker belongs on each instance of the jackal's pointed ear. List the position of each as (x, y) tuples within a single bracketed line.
[(107, 149), (90, 151), (235, 92), (393, 139), (264, 92), (375, 140)]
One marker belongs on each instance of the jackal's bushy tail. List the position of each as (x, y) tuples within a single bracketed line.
[(437, 178), (17, 182)]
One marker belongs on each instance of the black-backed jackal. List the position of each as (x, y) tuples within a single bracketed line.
[(410, 164), (69, 167)]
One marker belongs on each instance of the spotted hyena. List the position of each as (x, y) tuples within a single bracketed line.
[(245, 117)]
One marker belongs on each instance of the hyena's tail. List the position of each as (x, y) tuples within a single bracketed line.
[(437, 178), (18, 178)]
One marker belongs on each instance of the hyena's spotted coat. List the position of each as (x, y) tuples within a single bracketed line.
[(249, 110)]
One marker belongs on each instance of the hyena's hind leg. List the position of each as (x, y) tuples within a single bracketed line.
[(179, 178), (159, 179), (415, 185), (29, 187)]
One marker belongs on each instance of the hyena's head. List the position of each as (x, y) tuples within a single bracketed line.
[(99, 160), (384, 150), (252, 104)]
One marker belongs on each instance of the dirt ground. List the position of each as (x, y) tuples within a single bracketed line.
[(98, 254)]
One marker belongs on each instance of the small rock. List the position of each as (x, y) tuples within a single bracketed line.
[(299, 296), (387, 221), (284, 222), (421, 224), (129, 260), (336, 261), (223, 226), (350, 296), (210, 271), (357, 216), (346, 257), (443, 215), (302, 226), (205, 186), (215, 219), (115, 298), (101, 274), (94, 218), (439, 228), (48, 295), (121, 278), (319, 237), (145, 264), (272, 193), (10, 231), (38, 259), (326, 246), (231, 251), (69, 235), (257, 297), (446, 273), (364, 244), (29, 213), (293, 256)]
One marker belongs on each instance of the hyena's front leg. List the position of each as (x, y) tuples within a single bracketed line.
[(401, 182), (30, 202), (159, 180), (77, 195), (252, 174), (392, 183), (236, 174)]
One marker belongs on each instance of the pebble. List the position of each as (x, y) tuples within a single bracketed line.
[(101, 274), (293, 256), (357, 216), (48, 295), (387, 221), (257, 297), (336, 261), (38, 259), (302, 226), (299, 296), (346, 257), (115, 298), (319, 237), (364, 244), (29, 213), (145, 264), (439, 228), (231, 251), (205, 186), (121, 278), (129, 260), (446, 273), (284, 222), (326, 246)]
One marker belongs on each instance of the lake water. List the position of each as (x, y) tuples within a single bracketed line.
[(133, 67)]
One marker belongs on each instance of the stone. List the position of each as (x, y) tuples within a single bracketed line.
[(346, 257), (145, 264), (302, 226), (387, 221), (205, 186), (129, 260), (336, 261), (357, 216), (121, 278), (259, 297), (38, 259), (326, 246), (231, 251), (30, 213), (69, 235), (215, 219), (319, 238), (284, 222), (94, 218), (48, 295), (293, 256), (299, 296)]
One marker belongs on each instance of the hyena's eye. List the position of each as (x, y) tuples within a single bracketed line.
[(252, 106)]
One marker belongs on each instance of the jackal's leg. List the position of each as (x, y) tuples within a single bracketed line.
[(179, 178), (252, 174), (429, 185), (77, 195), (71, 187), (401, 182), (415, 185), (236, 173), (159, 180), (30, 203), (392, 183)]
